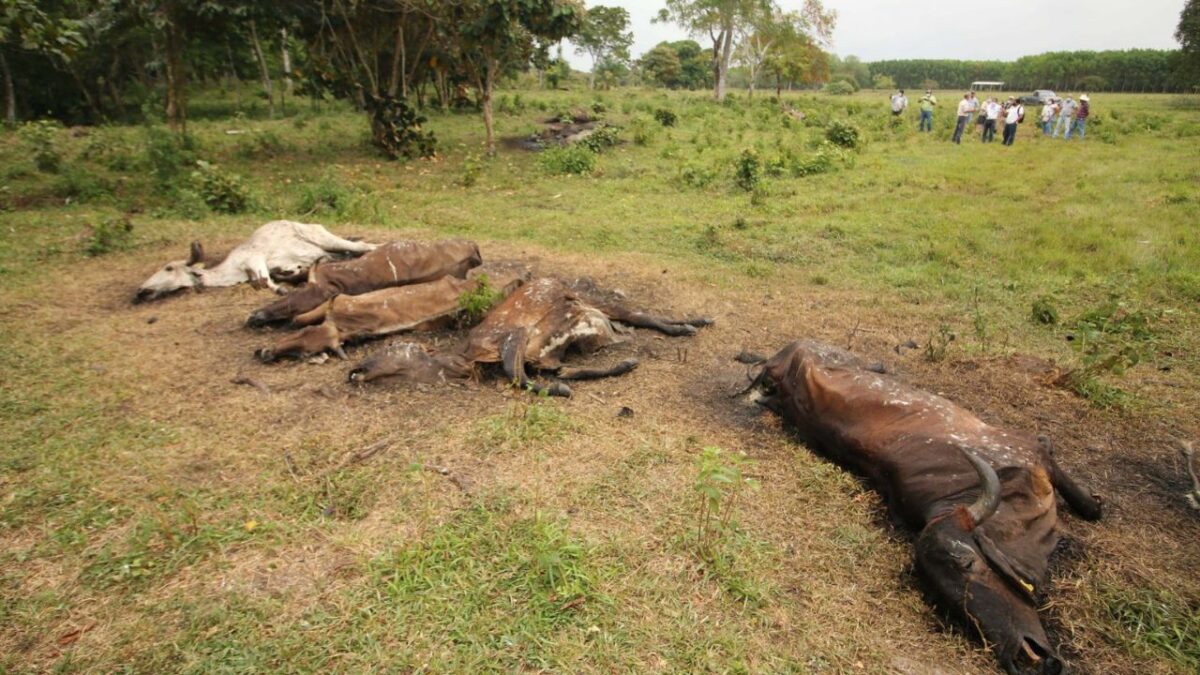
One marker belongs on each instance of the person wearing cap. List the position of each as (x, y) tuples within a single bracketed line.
[(1012, 117), (1081, 118), (964, 113), (927, 103), (1065, 113), (1049, 110), (899, 103), (991, 113)]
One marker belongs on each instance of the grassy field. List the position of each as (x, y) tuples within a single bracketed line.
[(156, 517)]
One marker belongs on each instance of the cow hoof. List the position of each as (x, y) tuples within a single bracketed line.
[(356, 377), (264, 355), (559, 389), (256, 320)]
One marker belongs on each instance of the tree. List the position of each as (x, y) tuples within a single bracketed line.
[(1188, 34), (766, 28), (24, 26), (662, 65), (721, 21), (605, 37)]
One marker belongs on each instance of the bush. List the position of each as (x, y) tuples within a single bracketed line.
[(222, 192), (1043, 312), (396, 129), (603, 136), (697, 175), (666, 117), (79, 184), (839, 88), (575, 160), (109, 236), (472, 167), (109, 150), (39, 137), (475, 303), (324, 196), (748, 170), (641, 130), (843, 134), (166, 155), (260, 144)]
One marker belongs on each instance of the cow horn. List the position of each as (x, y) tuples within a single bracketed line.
[(989, 498), (196, 255)]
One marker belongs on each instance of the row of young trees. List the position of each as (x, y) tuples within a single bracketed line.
[(1141, 70)]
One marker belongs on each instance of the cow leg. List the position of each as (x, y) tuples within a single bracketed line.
[(260, 275), (311, 340), (512, 358), (329, 241), (1083, 502), (662, 324), (313, 317), (597, 373)]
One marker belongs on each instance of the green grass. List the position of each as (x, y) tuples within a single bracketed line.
[(161, 509)]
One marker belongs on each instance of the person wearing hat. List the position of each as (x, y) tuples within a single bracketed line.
[(926, 104), (991, 113), (1049, 110), (1081, 118), (1012, 117), (1065, 113)]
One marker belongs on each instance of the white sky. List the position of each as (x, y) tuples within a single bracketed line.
[(1005, 30)]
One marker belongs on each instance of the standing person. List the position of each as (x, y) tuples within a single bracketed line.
[(1081, 118), (927, 103), (899, 103), (964, 114), (1049, 110), (1065, 112), (991, 113), (1012, 117), (973, 101)]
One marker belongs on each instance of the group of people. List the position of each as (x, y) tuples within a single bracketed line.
[(1064, 116)]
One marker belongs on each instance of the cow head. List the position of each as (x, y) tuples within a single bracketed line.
[(969, 575), (175, 276)]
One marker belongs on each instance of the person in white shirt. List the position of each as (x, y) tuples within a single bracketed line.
[(1049, 110), (1012, 117), (899, 102), (964, 114), (1066, 110), (991, 113)]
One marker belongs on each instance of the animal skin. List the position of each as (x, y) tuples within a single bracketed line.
[(281, 249), (980, 497)]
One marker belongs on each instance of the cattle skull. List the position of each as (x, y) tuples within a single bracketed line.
[(175, 276)]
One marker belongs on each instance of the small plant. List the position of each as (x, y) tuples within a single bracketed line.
[(472, 167), (166, 155), (529, 420), (720, 481), (1110, 339), (696, 174), (748, 170), (598, 108), (396, 129), (260, 144), (1043, 311), (39, 137), (843, 134), (323, 196), (640, 130), (666, 117), (476, 303), (575, 160), (77, 184), (109, 236), (839, 88), (603, 137), (938, 344), (222, 192), (109, 150)]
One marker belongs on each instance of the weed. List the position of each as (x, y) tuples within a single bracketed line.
[(696, 174), (259, 144), (603, 137), (222, 192), (720, 481), (323, 196), (1110, 339), (577, 160), (109, 150), (844, 135), (472, 167), (166, 155), (748, 170), (1158, 622), (1043, 311), (109, 236), (666, 117), (532, 419), (938, 344), (476, 303), (641, 130), (77, 184), (396, 129), (40, 137)]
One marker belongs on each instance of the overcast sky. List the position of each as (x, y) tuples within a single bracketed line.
[(1007, 29)]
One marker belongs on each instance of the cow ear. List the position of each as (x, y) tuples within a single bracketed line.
[(197, 254), (1011, 570)]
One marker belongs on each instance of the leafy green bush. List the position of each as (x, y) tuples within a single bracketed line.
[(80, 185), (1044, 312), (166, 155), (108, 149), (603, 137), (839, 88), (576, 160), (843, 134), (666, 117), (472, 167), (109, 236), (748, 170), (323, 196), (720, 481), (39, 137), (1110, 339), (396, 129), (222, 192), (476, 303), (696, 174), (640, 129), (260, 143)]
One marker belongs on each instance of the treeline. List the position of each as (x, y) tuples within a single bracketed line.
[(1132, 70)]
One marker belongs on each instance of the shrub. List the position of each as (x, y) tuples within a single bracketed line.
[(1043, 311), (472, 167), (109, 150), (475, 303), (748, 170), (843, 134), (166, 155), (79, 184), (666, 117), (222, 192), (720, 481), (39, 137), (1110, 339), (572, 160), (599, 108), (697, 175), (324, 195), (260, 144), (640, 130), (396, 129), (839, 88), (603, 136), (109, 236)]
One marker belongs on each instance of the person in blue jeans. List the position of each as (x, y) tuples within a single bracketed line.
[(964, 113), (927, 103), (1066, 110), (1081, 118)]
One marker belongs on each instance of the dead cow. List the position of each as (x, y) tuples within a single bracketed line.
[(980, 497), (396, 263), (534, 328), (279, 250), (349, 318)]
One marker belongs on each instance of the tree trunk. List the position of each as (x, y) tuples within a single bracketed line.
[(176, 78), (114, 92), (287, 69), (489, 81), (233, 74), (722, 54), (10, 96), (262, 69), (398, 60)]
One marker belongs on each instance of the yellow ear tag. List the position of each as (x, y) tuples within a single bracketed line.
[(1028, 586)]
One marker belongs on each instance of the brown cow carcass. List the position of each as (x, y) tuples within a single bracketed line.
[(352, 318), (397, 263), (980, 497), (533, 329)]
